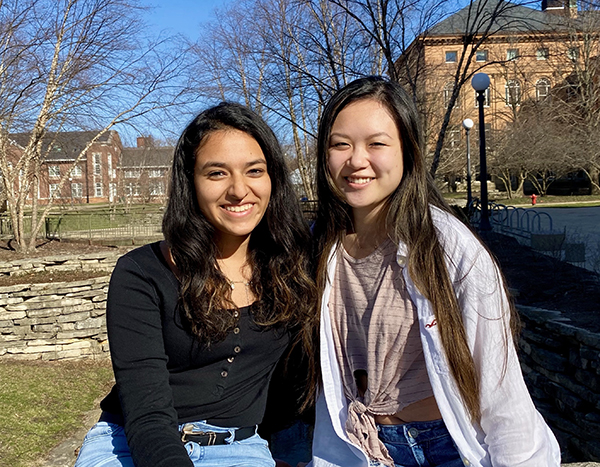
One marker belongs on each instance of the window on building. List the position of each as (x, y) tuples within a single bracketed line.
[(451, 57), (573, 53), (53, 191), (448, 88), (76, 190), (157, 189), (97, 164), (486, 100), (110, 169), (542, 89), (453, 137), (481, 56), (513, 92), (155, 173), (76, 171), (54, 171), (98, 190), (542, 53), (133, 173), (132, 189), (512, 54)]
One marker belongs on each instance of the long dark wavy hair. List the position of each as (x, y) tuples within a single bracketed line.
[(278, 251), (408, 220)]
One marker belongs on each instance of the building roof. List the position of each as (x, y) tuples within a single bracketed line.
[(150, 156), (65, 145), (510, 18)]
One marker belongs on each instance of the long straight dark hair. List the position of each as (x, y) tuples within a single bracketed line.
[(278, 247), (408, 220)]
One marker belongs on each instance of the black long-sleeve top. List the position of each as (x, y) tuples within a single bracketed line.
[(165, 377)]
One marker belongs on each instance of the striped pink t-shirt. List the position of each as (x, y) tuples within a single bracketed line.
[(376, 335)]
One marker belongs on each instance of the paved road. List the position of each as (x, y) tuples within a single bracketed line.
[(582, 226)]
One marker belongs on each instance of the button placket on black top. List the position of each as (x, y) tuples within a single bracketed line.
[(235, 351)]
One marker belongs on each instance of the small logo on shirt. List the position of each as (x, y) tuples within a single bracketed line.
[(432, 324)]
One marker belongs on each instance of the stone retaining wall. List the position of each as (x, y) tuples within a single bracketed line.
[(561, 364), (101, 261), (55, 320)]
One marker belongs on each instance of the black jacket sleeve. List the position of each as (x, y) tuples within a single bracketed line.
[(134, 322)]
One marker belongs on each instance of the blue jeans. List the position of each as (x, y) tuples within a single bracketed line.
[(106, 445), (420, 444)]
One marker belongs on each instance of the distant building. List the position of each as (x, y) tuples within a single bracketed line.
[(93, 179), (144, 172), (531, 53)]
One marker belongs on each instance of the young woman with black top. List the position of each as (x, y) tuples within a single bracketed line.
[(198, 322)]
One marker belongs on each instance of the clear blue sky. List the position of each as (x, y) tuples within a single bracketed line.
[(181, 16)]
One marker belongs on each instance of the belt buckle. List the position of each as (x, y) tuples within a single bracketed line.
[(188, 429)]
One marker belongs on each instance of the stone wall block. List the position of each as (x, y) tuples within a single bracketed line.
[(9, 315), (588, 379), (74, 317), (6, 324), (100, 297), (549, 359), (53, 328), (89, 323), (541, 339), (44, 312), (17, 307), (69, 291), (10, 289), (85, 306), (99, 310), (10, 300), (77, 334)]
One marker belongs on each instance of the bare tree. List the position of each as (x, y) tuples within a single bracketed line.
[(71, 64)]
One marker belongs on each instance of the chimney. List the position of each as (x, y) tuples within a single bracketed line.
[(141, 141), (566, 8)]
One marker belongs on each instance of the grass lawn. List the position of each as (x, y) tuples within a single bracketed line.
[(42, 403), (551, 201)]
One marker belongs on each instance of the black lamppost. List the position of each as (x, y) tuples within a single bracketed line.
[(480, 83), (467, 125)]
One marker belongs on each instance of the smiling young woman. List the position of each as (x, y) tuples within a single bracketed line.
[(198, 322), (417, 362)]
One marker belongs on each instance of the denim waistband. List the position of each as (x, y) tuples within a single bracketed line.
[(419, 431)]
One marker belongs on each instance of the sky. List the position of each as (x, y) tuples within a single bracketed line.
[(180, 16)]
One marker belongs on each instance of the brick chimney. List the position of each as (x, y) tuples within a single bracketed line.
[(141, 141), (560, 7)]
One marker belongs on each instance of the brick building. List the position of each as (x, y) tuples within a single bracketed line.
[(144, 172), (92, 180), (531, 53)]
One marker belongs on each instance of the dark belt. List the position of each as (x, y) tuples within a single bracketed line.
[(211, 438)]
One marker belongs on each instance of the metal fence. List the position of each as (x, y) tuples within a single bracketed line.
[(115, 226)]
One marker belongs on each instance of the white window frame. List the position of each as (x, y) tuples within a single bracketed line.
[(52, 188), (98, 190), (545, 84), (484, 53), (573, 53), (157, 188), (512, 84), (76, 171), (486, 102), (156, 173), (448, 54), (97, 163), (512, 54), (54, 171), (542, 53), (77, 190)]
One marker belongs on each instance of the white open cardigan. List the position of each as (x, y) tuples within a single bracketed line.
[(511, 433)]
